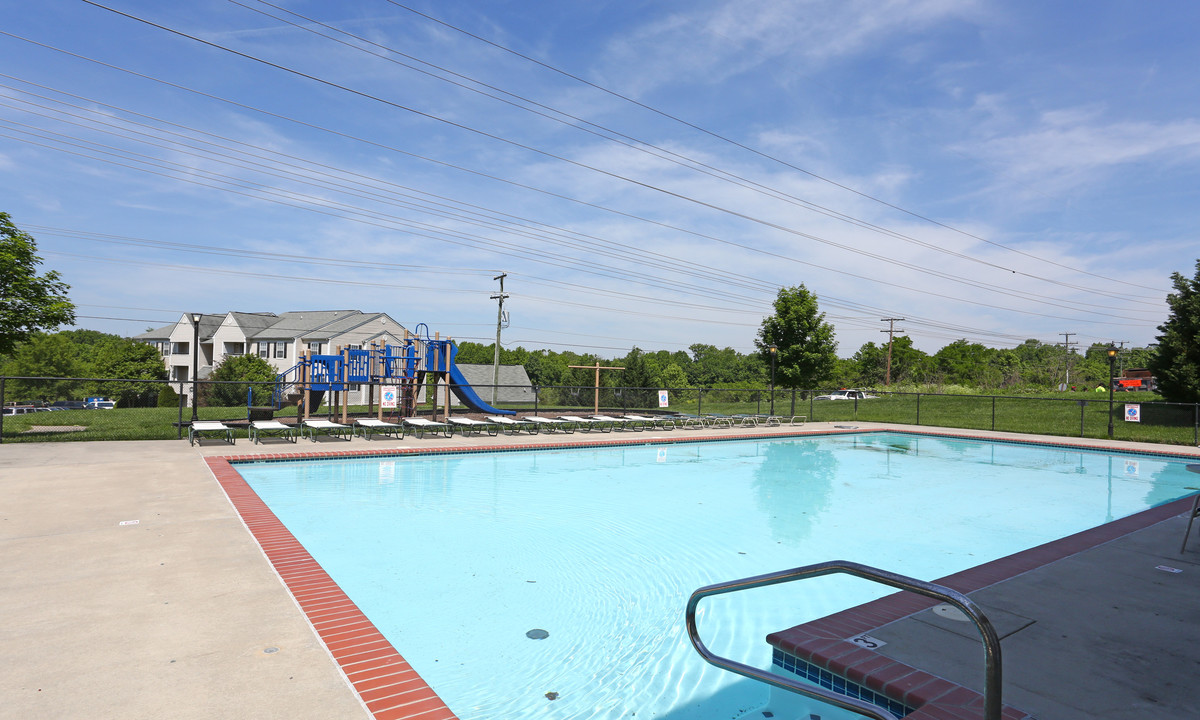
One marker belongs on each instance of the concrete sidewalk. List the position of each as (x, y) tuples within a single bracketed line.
[(1112, 632), (132, 589)]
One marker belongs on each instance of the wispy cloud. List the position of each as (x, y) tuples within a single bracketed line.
[(715, 42), (1075, 147)]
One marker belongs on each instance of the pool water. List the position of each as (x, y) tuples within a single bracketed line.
[(455, 558)]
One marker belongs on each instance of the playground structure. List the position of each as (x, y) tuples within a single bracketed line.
[(399, 371)]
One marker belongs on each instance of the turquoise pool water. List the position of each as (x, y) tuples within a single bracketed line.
[(456, 557)]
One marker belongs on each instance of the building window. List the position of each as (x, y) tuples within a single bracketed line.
[(314, 348), (180, 348), (281, 349), (264, 349)]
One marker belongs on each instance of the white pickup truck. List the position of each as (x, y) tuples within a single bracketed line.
[(846, 395)]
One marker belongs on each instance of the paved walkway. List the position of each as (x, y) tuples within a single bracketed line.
[(132, 588)]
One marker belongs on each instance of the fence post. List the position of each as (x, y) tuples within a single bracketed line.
[(1082, 409), (993, 413), (179, 425), (699, 400), (918, 408), (1195, 422), (1, 411), (793, 402), (535, 399)]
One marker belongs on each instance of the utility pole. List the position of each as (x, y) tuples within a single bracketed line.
[(499, 326), (1067, 343), (1120, 356), (887, 380)]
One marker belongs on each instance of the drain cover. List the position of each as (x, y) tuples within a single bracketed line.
[(537, 634), (950, 612)]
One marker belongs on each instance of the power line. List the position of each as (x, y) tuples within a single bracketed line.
[(757, 152)]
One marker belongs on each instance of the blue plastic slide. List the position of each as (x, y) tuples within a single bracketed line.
[(466, 394)]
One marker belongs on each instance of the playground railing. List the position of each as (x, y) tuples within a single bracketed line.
[(144, 409)]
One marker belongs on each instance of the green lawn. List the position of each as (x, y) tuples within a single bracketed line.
[(1063, 414)]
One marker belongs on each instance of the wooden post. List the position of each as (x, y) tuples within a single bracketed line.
[(597, 368), (305, 380), (345, 353), (446, 359)]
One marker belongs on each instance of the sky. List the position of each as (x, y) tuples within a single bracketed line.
[(644, 174)]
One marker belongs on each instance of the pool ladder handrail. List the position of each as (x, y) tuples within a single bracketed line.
[(991, 643)]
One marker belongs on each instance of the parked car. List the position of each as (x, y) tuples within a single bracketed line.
[(846, 395), (101, 405)]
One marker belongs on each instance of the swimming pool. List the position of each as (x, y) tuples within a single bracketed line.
[(456, 557)]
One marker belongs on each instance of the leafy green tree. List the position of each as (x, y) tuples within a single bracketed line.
[(807, 350), (966, 363), (28, 302), (254, 372), (1177, 365), (43, 355), (127, 359), (636, 379)]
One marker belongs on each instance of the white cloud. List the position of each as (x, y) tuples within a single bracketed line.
[(1074, 147), (711, 44)]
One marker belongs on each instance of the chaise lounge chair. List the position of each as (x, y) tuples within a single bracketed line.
[(512, 427), (271, 428), (661, 422), (621, 423), (326, 427), (201, 429), (468, 425), (551, 424), (587, 423), (366, 427), (420, 426)]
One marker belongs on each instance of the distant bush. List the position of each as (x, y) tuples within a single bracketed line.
[(168, 397)]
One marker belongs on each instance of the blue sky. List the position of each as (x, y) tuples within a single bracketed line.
[(647, 174)]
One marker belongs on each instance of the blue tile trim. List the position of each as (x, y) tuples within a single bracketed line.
[(818, 676)]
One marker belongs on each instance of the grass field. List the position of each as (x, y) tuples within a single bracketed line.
[(1069, 414)]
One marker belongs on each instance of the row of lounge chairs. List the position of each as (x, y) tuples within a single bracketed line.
[(493, 425)]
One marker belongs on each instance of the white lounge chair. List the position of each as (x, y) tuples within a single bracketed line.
[(271, 428), (468, 425), (662, 422), (201, 429), (326, 427), (621, 423), (420, 426), (551, 424), (587, 423), (512, 426), (366, 427)]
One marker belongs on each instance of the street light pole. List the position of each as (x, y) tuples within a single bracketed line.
[(1112, 359), (195, 362), (773, 350)]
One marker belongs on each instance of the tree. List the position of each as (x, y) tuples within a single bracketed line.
[(252, 369), (28, 302), (1176, 367), (43, 355), (807, 350), (126, 359)]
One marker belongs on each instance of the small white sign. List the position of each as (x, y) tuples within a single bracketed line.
[(662, 398), (388, 397), (1133, 413), (1131, 468), (867, 641), (662, 455), (130, 522)]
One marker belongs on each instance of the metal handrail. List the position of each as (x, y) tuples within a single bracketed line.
[(991, 643)]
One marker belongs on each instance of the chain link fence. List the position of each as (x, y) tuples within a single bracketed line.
[(48, 409)]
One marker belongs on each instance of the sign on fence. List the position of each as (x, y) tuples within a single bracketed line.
[(1133, 413), (662, 398), (387, 397)]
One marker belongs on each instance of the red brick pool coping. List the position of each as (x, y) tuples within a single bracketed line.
[(392, 690)]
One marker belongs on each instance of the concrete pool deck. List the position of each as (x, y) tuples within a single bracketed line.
[(132, 588)]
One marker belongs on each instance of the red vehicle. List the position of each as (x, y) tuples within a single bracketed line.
[(1135, 379)]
